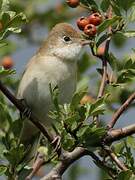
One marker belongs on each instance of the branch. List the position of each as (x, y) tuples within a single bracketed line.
[(119, 163), (117, 134), (104, 78), (69, 158), (118, 113), (22, 108)]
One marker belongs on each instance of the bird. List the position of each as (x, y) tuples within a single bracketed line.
[(55, 63)]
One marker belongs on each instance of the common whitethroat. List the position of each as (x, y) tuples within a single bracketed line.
[(54, 63)]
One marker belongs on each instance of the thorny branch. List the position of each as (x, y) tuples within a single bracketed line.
[(122, 108)]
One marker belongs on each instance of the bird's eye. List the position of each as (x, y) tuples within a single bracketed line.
[(66, 38)]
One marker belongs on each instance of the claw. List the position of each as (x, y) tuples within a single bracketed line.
[(26, 112), (57, 143)]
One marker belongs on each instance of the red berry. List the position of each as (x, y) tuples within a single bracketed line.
[(73, 3), (82, 22), (95, 19), (7, 62), (1, 26), (100, 50), (90, 30)]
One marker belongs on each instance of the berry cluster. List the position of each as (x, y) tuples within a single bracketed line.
[(87, 24)]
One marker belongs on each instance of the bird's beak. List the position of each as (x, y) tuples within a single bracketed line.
[(85, 42)]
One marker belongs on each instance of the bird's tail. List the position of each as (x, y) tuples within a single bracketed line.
[(30, 138)]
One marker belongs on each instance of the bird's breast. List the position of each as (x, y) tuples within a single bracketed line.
[(34, 86)]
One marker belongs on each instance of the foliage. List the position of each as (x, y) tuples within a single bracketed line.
[(74, 121)]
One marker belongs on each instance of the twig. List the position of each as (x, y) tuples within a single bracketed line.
[(36, 166), (118, 113), (21, 108), (104, 61), (103, 81), (104, 64), (39, 162), (108, 169), (102, 86), (120, 164)]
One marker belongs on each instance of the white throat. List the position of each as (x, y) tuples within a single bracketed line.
[(67, 52)]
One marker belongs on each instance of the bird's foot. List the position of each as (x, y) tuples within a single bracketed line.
[(26, 112), (57, 144)]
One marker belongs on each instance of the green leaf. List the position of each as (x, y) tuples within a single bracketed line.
[(105, 5), (4, 72), (82, 131), (67, 142), (78, 95), (132, 14), (116, 8), (119, 147), (90, 136), (6, 140), (24, 173), (12, 23), (3, 43), (15, 154), (131, 141), (130, 64), (124, 175), (3, 169), (17, 20), (126, 5), (98, 107), (129, 34), (127, 73), (17, 127), (102, 39), (112, 60), (5, 5), (103, 26), (90, 3)]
